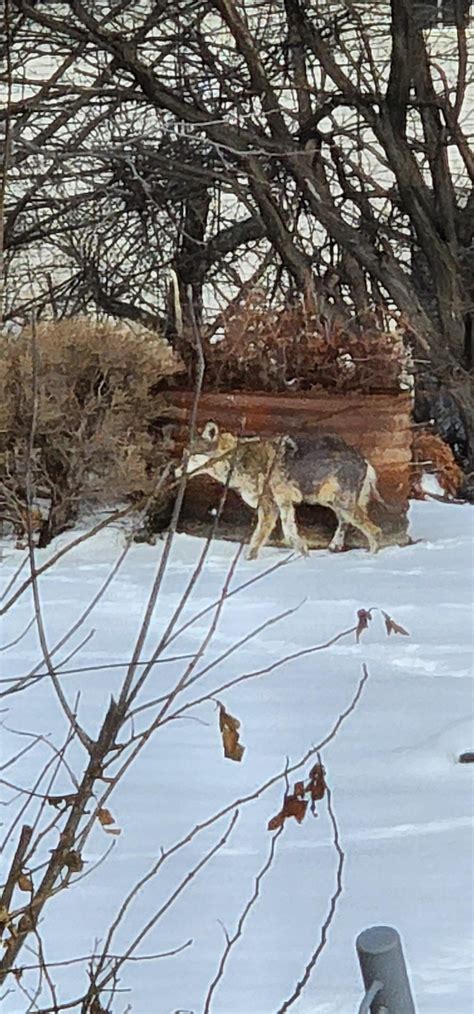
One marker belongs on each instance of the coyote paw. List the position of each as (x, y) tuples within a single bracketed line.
[(252, 553), (301, 547)]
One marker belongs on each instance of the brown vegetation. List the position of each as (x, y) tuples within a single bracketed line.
[(303, 348), (431, 454), (75, 418)]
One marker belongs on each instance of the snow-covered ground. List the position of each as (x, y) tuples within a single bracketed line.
[(403, 803)]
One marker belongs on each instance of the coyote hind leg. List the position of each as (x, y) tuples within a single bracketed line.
[(290, 529), (267, 519), (359, 518)]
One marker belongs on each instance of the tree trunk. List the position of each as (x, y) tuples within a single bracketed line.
[(190, 265)]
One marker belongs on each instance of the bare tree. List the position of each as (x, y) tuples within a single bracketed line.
[(335, 134)]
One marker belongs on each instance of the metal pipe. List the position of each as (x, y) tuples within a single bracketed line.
[(369, 996), (381, 960)]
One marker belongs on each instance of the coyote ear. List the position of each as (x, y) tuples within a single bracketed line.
[(289, 444), (210, 431)]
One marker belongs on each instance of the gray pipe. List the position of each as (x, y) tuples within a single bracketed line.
[(380, 954)]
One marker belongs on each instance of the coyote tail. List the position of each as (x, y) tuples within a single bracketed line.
[(372, 489)]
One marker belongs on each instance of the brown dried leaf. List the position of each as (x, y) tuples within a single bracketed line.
[(105, 817), (62, 802), (276, 822), (293, 806), (392, 627), (316, 785), (73, 861), (299, 789), (363, 622), (229, 727), (5, 916), (24, 882)]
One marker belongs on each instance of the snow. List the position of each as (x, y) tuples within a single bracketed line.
[(403, 803), (431, 484)]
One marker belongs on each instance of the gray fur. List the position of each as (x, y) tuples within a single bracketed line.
[(306, 463)]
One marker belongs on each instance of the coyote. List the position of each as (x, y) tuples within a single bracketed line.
[(275, 474)]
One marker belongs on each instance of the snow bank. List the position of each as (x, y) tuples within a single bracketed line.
[(403, 804)]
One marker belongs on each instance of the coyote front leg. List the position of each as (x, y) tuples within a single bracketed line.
[(336, 544), (266, 521)]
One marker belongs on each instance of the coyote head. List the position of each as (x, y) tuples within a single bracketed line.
[(208, 446)]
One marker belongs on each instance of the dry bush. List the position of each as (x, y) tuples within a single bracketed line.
[(273, 350), (92, 439), (431, 454)]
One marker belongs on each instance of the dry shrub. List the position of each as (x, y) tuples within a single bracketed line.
[(431, 454), (273, 350), (92, 441)]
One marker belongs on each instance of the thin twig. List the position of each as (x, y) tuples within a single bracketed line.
[(12, 644), (99, 527), (67, 962), (82, 735), (256, 673), (263, 788), (192, 873), (232, 940), (331, 912), (223, 656), (23, 682), (14, 578), (164, 558), (182, 682)]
